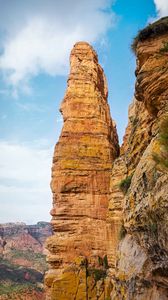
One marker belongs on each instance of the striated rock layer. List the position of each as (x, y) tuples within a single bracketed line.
[(80, 183), (142, 260), (23, 245), (110, 211), (22, 260)]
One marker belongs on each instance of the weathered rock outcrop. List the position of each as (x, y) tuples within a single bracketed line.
[(110, 211), (142, 259), (80, 182)]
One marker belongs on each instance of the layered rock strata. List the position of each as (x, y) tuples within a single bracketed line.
[(23, 244), (22, 260), (80, 183), (142, 259), (110, 211)]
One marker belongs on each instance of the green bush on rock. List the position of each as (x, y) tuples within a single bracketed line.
[(161, 158), (122, 232), (152, 30), (125, 184)]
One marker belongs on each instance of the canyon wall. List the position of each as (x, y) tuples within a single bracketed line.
[(142, 258), (109, 211)]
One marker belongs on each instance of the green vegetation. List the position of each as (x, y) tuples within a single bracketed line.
[(12, 288), (7, 263), (37, 259), (161, 159), (101, 271), (159, 27), (43, 224), (134, 120), (100, 261), (17, 279), (97, 273), (27, 254), (122, 232), (84, 263), (17, 274), (7, 288), (152, 227), (146, 283), (125, 184), (165, 47), (151, 222), (105, 262)]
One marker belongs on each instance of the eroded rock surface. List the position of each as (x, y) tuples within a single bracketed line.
[(142, 259), (81, 179), (110, 211)]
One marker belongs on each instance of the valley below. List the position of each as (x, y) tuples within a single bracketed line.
[(23, 260)]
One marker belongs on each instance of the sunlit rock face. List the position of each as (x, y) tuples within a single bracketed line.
[(152, 78), (110, 209), (142, 259), (81, 173)]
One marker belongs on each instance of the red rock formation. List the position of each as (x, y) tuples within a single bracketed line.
[(23, 245), (81, 167), (24, 295), (142, 258), (98, 196), (22, 262)]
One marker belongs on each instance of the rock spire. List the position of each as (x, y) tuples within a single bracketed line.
[(81, 172)]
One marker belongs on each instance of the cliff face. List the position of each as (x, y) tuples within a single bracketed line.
[(142, 259), (80, 178), (109, 211)]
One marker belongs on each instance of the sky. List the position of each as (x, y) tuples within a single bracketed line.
[(36, 37)]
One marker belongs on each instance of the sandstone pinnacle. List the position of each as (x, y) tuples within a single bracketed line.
[(81, 169)]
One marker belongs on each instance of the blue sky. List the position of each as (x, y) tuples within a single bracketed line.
[(36, 37)]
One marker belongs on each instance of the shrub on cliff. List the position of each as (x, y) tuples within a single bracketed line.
[(98, 274), (103, 261), (161, 158), (152, 30), (125, 184), (164, 48), (122, 232)]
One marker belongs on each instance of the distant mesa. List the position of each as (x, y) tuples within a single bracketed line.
[(23, 260)]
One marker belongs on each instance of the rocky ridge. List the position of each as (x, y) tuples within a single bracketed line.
[(109, 211), (19, 243), (141, 263), (22, 260)]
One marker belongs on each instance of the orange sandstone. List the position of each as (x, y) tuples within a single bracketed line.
[(81, 171)]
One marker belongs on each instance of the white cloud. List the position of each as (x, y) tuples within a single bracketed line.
[(27, 205), (39, 35), (25, 180), (161, 7)]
